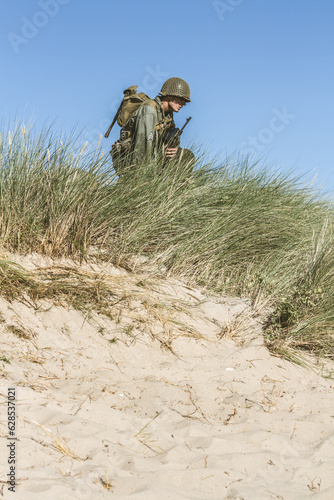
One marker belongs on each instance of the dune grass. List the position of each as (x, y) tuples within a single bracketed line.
[(231, 227)]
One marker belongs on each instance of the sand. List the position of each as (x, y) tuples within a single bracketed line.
[(190, 408)]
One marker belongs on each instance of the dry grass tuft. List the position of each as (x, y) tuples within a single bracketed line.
[(132, 300)]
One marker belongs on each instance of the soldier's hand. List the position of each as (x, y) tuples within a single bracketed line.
[(170, 153)]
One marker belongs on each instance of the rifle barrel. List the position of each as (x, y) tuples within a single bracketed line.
[(187, 121)]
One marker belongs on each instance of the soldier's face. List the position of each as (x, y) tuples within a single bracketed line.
[(176, 103)]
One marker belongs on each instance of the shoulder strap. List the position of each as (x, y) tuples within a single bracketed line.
[(163, 121)]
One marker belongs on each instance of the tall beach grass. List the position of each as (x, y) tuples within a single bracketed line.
[(231, 227)]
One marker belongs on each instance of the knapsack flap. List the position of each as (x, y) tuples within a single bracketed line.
[(129, 105)]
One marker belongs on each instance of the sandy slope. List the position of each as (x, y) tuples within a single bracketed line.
[(107, 411)]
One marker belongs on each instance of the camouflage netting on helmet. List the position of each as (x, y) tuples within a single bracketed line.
[(176, 86)]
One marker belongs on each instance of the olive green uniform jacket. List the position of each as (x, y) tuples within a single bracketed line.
[(146, 126)]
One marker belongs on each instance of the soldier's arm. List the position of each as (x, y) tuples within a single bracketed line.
[(144, 132)]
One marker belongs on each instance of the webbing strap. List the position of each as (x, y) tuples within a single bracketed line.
[(162, 120), (163, 123)]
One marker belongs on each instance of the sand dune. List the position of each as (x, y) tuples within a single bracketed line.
[(192, 406)]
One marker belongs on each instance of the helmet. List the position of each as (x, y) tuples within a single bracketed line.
[(176, 86)]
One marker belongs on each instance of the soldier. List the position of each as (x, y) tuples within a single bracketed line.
[(145, 131)]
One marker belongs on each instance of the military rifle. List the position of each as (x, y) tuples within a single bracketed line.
[(172, 136)]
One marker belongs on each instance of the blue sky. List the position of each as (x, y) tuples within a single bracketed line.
[(261, 71)]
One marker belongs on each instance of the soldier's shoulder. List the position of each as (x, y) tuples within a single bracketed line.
[(151, 103), (148, 107)]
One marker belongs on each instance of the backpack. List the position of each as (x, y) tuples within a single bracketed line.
[(130, 103)]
